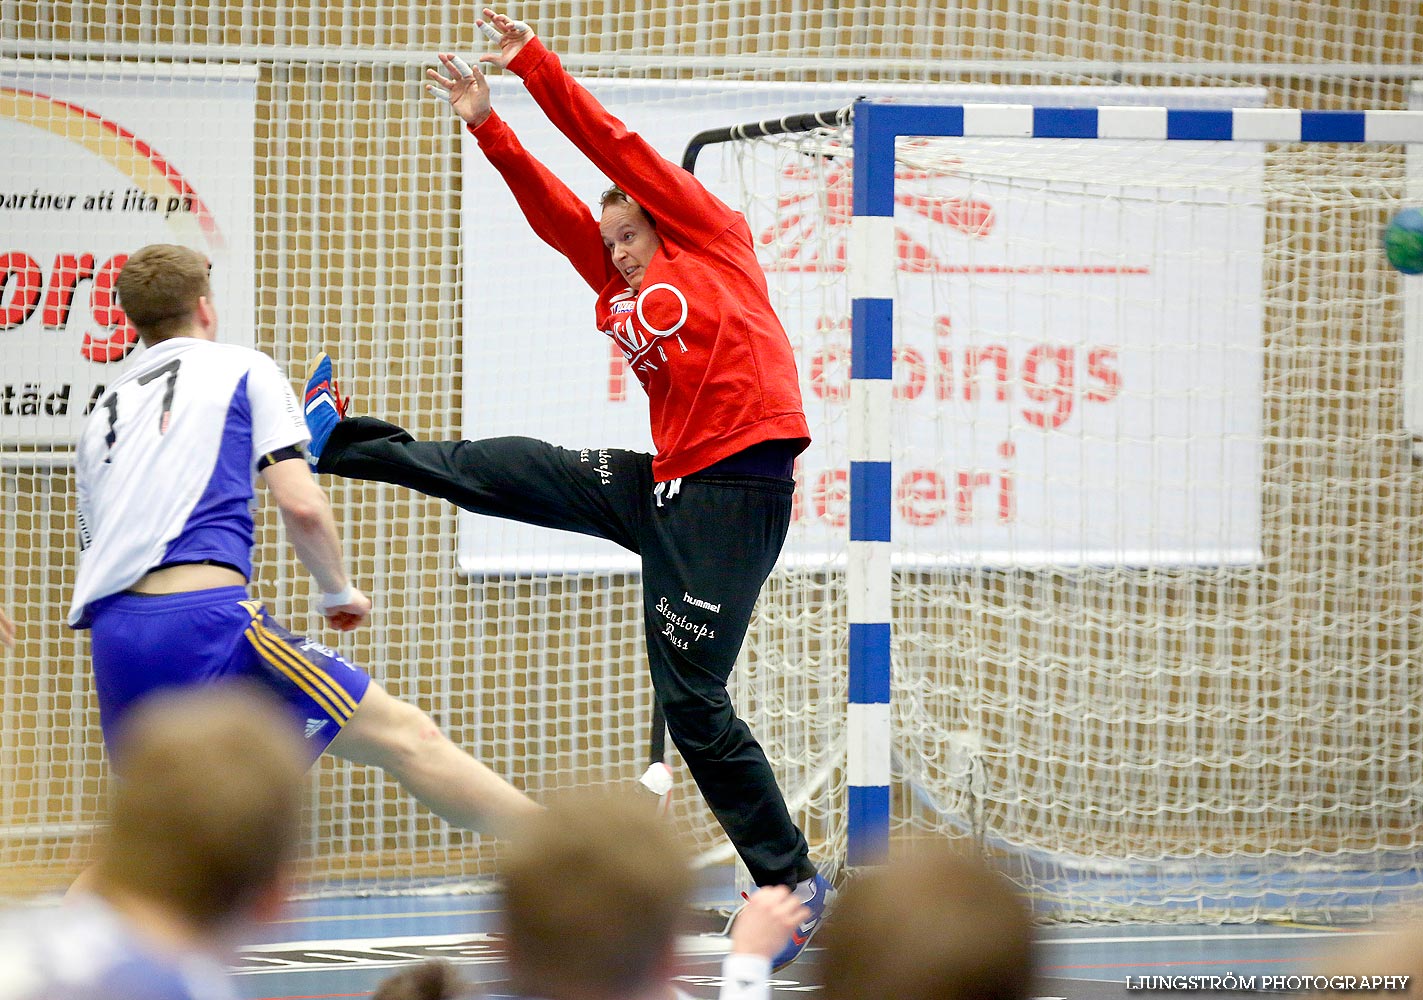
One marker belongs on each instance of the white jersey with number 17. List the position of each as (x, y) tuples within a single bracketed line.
[(165, 463)]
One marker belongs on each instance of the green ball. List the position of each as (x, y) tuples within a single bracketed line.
[(1403, 241)]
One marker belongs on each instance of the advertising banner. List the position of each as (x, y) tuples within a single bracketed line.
[(98, 163), (1078, 364)]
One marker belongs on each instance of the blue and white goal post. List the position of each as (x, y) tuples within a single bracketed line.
[(879, 127)]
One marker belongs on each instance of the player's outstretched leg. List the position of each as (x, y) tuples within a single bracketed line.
[(402, 740), (322, 404)]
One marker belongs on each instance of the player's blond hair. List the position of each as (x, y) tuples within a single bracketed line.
[(432, 979), (207, 804), (596, 890), (159, 288), (941, 925)]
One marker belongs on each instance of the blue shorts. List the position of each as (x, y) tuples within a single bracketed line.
[(143, 643)]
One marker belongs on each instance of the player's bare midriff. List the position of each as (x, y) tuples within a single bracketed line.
[(188, 576)]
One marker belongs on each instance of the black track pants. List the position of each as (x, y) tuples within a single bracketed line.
[(706, 549)]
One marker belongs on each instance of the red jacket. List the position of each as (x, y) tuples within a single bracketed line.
[(701, 335)]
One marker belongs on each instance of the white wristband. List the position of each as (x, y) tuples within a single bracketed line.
[(745, 976), (327, 601)]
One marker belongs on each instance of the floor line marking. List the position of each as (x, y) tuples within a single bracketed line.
[(1172, 964), (385, 916), (386, 953), (1164, 938)]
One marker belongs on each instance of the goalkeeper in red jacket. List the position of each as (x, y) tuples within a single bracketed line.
[(681, 293)]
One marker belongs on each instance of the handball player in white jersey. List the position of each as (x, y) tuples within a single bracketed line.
[(165, 468)]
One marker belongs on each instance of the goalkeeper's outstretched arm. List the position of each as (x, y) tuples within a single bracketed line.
[(552, 210), (677, 201)]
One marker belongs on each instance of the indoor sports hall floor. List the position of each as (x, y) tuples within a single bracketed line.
[(334, 948)]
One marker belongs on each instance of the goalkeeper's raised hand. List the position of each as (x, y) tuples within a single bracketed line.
[(511, 35), (465, 88)]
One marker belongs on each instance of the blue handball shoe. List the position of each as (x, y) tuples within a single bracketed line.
[(323, 406), (815, 893)]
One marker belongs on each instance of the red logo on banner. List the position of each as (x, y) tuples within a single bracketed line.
[(797, 246), (22, 283)]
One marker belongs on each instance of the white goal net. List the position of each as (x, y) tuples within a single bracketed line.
[(1155, 513)]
